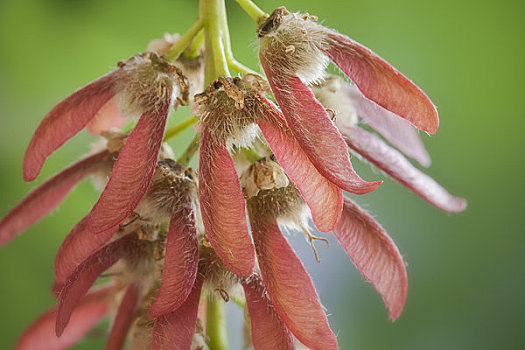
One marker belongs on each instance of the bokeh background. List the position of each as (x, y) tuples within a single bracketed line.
[(466, 271)]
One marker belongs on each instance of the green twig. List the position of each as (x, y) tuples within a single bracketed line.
[(252, 10), (209, 63), (239, 67), (216, 324), (194, 50), (184, 41), (239, 301), (179, 127), (213, 14), (251, 154), (188, 154), (232, 62)]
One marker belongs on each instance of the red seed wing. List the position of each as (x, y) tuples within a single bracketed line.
[(107, 117), (41, 334), (175, 331), (131, 174), (268, 331), (223, 207), (78, 245), (324, 199), (46, 197), (85, 275), (64, 121), (398, 131), (382, 83), (289, 286), (125, 316), (180, 264), (315, 132), (375, 254), (394, 164)]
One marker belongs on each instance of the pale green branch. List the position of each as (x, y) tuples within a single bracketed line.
[(183, 41), (179, 127), (252, 10), (216, 324)]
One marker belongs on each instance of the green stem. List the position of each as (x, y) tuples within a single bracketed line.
[(179, 127), (232, 62), (184, 41), (194, 50), (251, 154), (252, 10), (213, 14), (209, 62), (239, 301), (188, 154), (239, 67), (216, 324)]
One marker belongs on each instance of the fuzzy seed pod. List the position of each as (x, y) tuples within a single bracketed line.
[(269, 193), (192, 68), (229, 107)]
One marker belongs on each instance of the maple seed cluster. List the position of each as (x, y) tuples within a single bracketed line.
[(177, 242)]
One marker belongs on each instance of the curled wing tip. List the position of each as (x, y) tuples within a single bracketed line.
[(431, 127), (363, 187), (64, 121), (327, 221), (457, 205), (380, 82), (41, 200), (392, 162), (395, 306), (85, 275), (370, 187), (394, 312), (29, 172), (424, 160), (375, 255), (60, 325), (396, 130), (33, 161), (429, 121)]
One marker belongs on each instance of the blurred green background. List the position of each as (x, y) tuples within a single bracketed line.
[(466, 271)]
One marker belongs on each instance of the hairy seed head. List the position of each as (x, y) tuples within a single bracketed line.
[(270, 193), (333, 93), (192, 68), (173, 188), (293, 44), (217, 278), (229, 107), (264, 174), (139, 265), (145, 82)]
